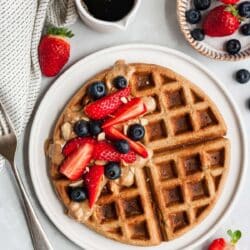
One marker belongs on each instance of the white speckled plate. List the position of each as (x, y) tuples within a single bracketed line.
[(70, 81), (212, 47)]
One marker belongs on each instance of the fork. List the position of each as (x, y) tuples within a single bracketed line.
[(8, 145)]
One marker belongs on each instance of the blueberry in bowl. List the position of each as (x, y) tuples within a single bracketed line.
[(233, 46), (245, 29), (198, 34), (244, 9), (193, 16), (202, 4)]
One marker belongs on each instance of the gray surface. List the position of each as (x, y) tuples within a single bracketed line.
[(155, 23)]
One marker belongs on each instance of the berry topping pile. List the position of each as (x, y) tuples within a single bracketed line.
[(92, 158), (219, 19)]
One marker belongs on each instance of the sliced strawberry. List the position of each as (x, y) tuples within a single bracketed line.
[(107, 105), (137, 147), (105, 151), (74, 165), (73, 144), (93, 180), (128, 111)]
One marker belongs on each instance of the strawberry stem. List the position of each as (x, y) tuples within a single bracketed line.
[(64, 32), (232, 9)]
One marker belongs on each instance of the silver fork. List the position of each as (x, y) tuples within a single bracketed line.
[(8, 145)]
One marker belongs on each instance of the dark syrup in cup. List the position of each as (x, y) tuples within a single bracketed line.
[(109, 10)]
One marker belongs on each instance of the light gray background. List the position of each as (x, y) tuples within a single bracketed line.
[(155, 23)]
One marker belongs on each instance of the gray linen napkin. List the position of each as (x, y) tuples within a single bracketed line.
[(20, 31)]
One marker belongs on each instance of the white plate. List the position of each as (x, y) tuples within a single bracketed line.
[(69, 82)]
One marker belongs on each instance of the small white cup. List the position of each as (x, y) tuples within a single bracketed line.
[(106, 26)]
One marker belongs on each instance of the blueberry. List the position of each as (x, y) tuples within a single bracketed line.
[(243, 76), (244, 9), (136, 132), (198, 34), (202, 4), (120, 82), (245, 29), (97, 90), (193, 16), (95, 127), (112, 170), (122, 146), (233, 46), (78, 194), (81, 128)]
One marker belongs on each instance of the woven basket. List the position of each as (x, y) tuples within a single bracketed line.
[(202, 47)]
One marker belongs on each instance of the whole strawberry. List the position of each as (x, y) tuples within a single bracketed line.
[(221, 21), (230, 1), (54, 50)]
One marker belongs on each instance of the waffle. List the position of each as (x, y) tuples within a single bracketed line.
[(177, 188)]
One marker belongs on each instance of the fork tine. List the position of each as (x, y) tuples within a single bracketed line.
[(5, 121)]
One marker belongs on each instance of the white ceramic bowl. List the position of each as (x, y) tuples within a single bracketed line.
[(106, 26)]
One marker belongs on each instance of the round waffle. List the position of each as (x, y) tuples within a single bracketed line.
[(178, 187)]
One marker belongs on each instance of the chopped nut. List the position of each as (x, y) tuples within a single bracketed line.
[(150, 153), (150, 103), (66, 130), (101, 136), (72, 116), (109, 85), (144, 121), (125, 129), (85, 118), (74, 206), (85, 100), (100, 162), (124, 100), (127, 179), (87, 169), (79, 214), (76, 108), (76, 183)]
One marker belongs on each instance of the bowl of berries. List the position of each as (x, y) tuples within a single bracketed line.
[(219, 29)]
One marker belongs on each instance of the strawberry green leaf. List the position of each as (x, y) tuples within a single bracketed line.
[(235, 236), (64, 32)]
